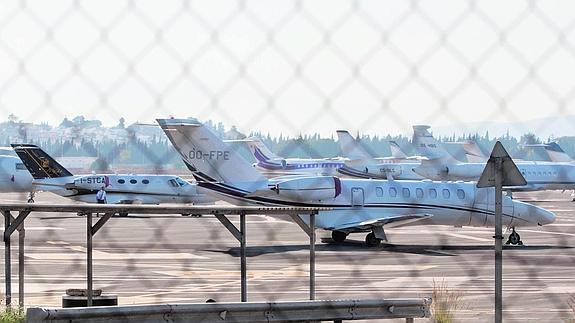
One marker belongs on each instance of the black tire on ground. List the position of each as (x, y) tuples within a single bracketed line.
[(372, 241), (514, 238), (123, 214), (30, 200), (338, 236)]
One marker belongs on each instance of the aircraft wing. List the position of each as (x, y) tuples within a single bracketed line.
[(393, 219)]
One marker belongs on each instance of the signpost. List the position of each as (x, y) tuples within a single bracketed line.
[(499, 171)]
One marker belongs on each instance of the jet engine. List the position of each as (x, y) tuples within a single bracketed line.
[(436, 173), (309, 188)]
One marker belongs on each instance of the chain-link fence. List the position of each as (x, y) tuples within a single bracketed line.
[(280, 70)]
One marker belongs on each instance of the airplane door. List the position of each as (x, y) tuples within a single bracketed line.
[(357, 196), (484, 200)]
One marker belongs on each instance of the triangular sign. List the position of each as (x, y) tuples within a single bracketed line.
[(511, 175)]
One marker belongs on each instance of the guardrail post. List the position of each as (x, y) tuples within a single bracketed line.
[(243, 262), (89, 259), (7, 259), (21, 236), (312, 256)]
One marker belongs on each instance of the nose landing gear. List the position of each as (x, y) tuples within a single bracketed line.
[(31, 197), (514, 238)]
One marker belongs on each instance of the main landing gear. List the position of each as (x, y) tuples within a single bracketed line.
[(371, 240), (338, 236), (514, 238)]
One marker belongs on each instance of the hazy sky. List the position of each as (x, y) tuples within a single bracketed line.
[(289, 66)]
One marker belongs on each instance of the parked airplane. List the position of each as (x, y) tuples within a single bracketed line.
[(442, 166), (362, 164), (273, 164), (14, 177), (359, 205), (554, 152), (49, 175)]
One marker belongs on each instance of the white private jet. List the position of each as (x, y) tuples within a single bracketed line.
[(442, 166), (362, 164), (272, 164), (554, 152), (359, 205), (14, 177), (50, 176)]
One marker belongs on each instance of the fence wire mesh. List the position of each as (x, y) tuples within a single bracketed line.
[(306, 68)]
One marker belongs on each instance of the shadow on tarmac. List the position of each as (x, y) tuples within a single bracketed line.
[(359, 246)]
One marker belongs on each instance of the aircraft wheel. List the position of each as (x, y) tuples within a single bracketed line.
[(30, 200), (123, 214), (372, 241), (196, 215), (515, 239), (185, 214), (338, 236)]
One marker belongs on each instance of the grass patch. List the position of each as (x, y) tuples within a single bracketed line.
[(12, 315), (445, 302), (571, 303)]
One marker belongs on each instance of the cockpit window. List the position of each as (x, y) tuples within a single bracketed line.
[(20, 166), (173, 183), (181, 182)]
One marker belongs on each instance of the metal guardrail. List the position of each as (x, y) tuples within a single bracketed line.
[(241, 312)]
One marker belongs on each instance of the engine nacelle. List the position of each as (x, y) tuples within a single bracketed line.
[(436, 173), (465, 172), (90, 182), (309, 188), (383, 170)]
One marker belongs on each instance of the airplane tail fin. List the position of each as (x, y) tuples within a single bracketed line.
[(556, 153), (209, 159), (39, 163), (473, 153), (428, 146), (396, 151), (350, 147), (259, 150)]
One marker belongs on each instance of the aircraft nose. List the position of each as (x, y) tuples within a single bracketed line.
[(533, 214), (543, 216)]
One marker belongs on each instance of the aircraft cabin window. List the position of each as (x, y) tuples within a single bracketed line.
[(432, 193), (121, 181), (392, 192), (445, 193), (145, 181), (460, 194), (419, 193), (20, 166), (405, 192), (378, 191), (133, 181)]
